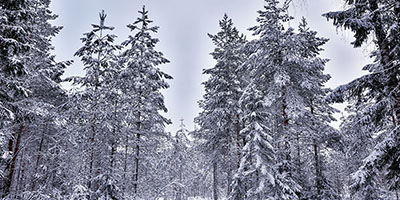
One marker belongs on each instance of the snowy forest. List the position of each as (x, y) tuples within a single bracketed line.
[(264, 131)]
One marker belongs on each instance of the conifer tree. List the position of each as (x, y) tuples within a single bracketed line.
[(180, 165), (270, 75), (142, 82), (29, 89), (220, 120), (287, 89), (379, 89), (318, 113), (93, 105), (15, 45)]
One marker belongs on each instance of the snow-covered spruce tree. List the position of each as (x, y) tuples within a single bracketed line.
[(285, 68), (15, 45), (38, 174), (257, 177), (142, 81), (261, 103), (356, 147), (174, 165), (201, 180), (180, 163), (379, 89), (29, 89), (220, 119), (91, 108), (313, 125)]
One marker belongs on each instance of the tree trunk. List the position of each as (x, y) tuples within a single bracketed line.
[(317, 169), (135, 184), (39, 156), (9, 181), (286, 143), (126, 162), (112, 159), (284, 106), (215, 181), (91, 161), (238, 141), (5, 184), (20, 179), (380, 32), (299, 164), (114, 138)]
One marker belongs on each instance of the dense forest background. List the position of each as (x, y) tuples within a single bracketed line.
[(264, 131)]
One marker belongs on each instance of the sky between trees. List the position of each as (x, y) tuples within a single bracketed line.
[(184, 25)]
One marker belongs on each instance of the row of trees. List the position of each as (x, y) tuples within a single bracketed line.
[(266, 113), (263, 133), (104, 140)]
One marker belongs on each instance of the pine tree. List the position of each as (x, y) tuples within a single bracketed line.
[(257, 175), (378, 90), (317, 113), (287, 86), (142, 81), (220, 121), (261, 103), (29, 89), (180, 165), (356, 147), (15, 44), (95, 105)]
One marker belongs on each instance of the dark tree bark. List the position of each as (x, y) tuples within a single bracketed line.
[(91, 161), (39, 154), (9, 179), (136, 176), (215, 180)]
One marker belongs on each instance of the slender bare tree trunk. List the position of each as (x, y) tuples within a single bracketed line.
[(215, 180), (91, 161), (238, 141), (126, 162), (286, 143), (136, 177), (39, 156), (114, 136), (298, 155), (18, 134), (317, 168), (6, 182), (20, 178)]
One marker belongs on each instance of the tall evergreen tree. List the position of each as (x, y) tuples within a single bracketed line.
[(94, 106), (142, 82), (287, 89), (220, 119), (29, 89), (15, 45), (317, 113), (379, 89)]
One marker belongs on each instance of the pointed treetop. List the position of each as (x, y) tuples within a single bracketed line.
[(144, 20), (182, 126), (102, 16), (144, 11), (303, 25), (101, 26)]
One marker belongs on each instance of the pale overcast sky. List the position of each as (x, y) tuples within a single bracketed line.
[(184, 25)]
